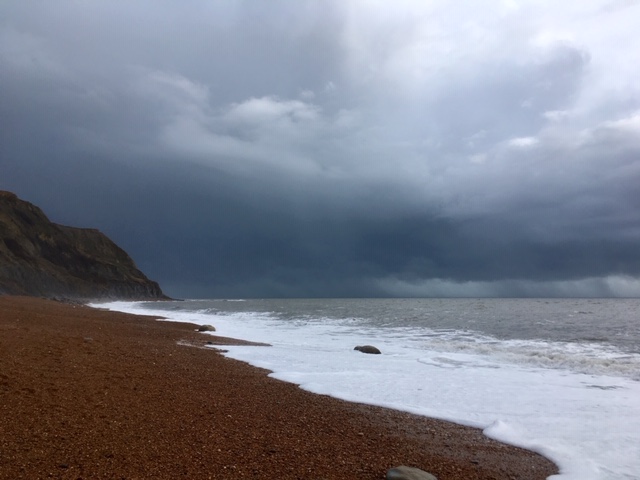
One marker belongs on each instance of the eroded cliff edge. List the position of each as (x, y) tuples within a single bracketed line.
[(41, 258)]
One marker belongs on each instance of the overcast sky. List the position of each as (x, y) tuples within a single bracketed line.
[(335, 148)]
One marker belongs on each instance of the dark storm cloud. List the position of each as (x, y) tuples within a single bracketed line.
[(335, 148)]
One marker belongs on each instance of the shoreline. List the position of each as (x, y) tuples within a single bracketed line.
[(89, 393)]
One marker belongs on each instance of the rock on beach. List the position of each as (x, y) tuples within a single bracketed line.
[(408, 473), (206, 328)]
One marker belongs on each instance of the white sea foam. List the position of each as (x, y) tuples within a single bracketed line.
[(548, 397), (587, 358)]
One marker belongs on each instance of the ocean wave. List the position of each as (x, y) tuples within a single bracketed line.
[(586, 357)]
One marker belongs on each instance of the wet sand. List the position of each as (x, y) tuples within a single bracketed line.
[(91, 394)]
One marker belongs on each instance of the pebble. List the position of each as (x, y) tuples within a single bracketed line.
[(408, 473)]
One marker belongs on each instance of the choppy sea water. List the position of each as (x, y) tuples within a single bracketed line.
[(557, 376)]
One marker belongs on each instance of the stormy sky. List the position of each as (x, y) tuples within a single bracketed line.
[(335, 148)]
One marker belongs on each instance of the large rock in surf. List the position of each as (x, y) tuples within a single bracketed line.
[(41, 258), (408, 473), (368, 349)]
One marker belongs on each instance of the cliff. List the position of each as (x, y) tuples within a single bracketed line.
[(41, 258)]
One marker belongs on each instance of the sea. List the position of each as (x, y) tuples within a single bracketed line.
[(560, 377)]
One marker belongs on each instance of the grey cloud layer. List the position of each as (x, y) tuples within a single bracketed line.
[(335, 148)]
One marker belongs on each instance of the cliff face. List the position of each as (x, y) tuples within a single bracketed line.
[(41, 258)]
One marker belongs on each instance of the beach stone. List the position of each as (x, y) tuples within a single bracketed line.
[(408, 473), (206, 328), (368, 349)]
